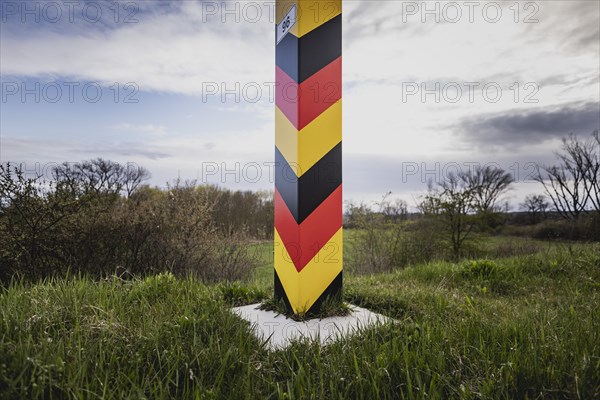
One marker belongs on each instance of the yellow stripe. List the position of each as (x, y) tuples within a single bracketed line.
[(311, 13), (303, 149), (304, 288)]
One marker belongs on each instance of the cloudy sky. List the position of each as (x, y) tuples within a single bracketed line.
[(184, 88)]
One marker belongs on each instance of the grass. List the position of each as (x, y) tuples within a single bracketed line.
[(526, 326)]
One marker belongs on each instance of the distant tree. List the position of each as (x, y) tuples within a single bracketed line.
[(132, 177), (591, 162), (241, 212), (100, 176), (455, 203), (536, 206), (487, 184), (392, 210), (573, 185), (356, 214)]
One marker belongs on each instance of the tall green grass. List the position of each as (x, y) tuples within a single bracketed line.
[(520, 327)]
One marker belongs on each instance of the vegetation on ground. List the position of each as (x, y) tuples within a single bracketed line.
[(330, 307), (519, 327)]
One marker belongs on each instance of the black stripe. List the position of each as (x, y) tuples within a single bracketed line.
[(303, 195), (301, 58), (333, 292), (280, 293)]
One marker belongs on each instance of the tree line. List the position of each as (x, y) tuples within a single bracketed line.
[(468, 202)]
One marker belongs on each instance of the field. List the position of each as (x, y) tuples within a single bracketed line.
[(526, 326)]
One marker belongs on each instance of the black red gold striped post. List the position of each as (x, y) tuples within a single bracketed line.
[(308, 153)]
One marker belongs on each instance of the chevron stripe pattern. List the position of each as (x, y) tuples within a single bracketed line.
[(308, 155)]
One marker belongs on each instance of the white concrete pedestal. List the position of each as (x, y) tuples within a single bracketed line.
[(279, 332)]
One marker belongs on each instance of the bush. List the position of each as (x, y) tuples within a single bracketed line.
[(32, 215), (249, 214), (229, 260), (49, 228), (380, 246), (377, 249), (511, 247), (586, 228)]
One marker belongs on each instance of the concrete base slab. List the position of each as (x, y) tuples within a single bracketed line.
[(279, 331)]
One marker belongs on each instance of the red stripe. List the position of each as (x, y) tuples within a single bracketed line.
[(286, 95), (304, 241), (301, 105)]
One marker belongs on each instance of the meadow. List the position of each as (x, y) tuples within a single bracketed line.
[(526, 326)]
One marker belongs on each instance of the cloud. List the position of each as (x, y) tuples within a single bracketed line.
[(128, 150), (176, 47), (173, 50), (515, 128), (148, 129), (576, 27), (32, 150)]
